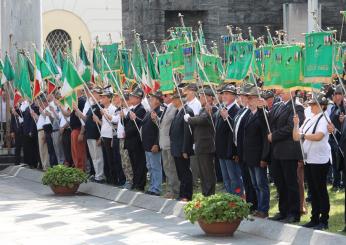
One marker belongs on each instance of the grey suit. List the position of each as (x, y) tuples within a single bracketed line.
[(172, 181), (204, 134)]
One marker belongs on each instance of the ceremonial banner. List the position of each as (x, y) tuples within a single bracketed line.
[(184, 33), (166, 72), (239, 60), (125, 67), (211, 69), (110, 52), (339, 50), (318, 65), (189, 64), (174, 47)]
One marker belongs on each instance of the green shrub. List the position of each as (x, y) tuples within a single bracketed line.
[(61, 175), (220, 207)]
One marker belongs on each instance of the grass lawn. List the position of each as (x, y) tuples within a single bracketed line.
[(336, 214)]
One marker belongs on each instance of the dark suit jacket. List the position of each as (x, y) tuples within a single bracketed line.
[(225, 148), (203, 132), (132, 136), (180, 135), (150, 130), (240, 132), (256, 144), (16, 127), (29, 125), (284, 148)]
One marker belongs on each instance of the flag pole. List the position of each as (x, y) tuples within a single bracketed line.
[(119, 89)]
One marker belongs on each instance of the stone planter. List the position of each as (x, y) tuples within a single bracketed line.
[(219, 228), (64, 191)]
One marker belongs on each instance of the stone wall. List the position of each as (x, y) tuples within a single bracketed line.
[(148, 17)]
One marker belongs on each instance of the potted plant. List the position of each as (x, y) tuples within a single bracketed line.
[(219, 214), (64, 180)]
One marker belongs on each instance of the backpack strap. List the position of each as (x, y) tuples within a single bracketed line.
[(314, 129)]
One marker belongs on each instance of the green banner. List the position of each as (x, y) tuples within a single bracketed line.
[(125, 66), (339, 50), (210, 65), (166, 72), (285, 68), (239, 60), (111, 54), (189, 63), (174, 46), (318, 65)]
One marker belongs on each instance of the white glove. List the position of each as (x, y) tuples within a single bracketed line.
[(186, 117), (20, 120)]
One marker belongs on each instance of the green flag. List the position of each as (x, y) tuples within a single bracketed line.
[(60, 60), (69, 100), (125, 67), (84, 64), (318, 65), (166, 72), (72, 79), (48, 57), (22, 77), (8, 71), (110, 52), (239, 60)]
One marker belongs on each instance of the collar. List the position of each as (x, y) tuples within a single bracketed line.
[(192, 101), (231, 105)]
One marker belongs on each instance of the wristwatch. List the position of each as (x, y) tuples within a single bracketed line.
[(302, 136)]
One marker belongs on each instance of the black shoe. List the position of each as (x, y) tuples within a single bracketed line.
[(278, 217), (310, 224), (291, 219), (148, 193), (321, 227), (102, 181)]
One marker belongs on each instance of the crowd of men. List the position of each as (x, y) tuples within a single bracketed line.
[(194, 133)]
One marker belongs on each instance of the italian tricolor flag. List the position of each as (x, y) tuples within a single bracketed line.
[(84, 64), (42, 73), (72, 80)]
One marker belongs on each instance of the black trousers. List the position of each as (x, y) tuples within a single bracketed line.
[(316, 175), (109, 165), (18, 147), (207, 174), (120, 176), (218, 173), (285, 179), (53, 160), (137, 159), (185, 177), (30, 150), (66, 141), (250, 192)]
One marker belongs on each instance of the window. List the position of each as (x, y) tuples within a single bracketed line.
[(58, 39)]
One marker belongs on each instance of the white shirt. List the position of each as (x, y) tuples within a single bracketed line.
[(117, 120), (86, 108), (195, 105), (40, 122), (317, 152), (106, 128), (145, 104)]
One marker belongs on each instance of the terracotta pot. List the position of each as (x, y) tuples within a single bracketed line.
[(64, 191), (219, 228)]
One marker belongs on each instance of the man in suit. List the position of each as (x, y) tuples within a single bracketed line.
[(225, 148), (133, 142), (16, 130), (203, 134), (256, 151), (150, 140), (172, 181), (181, 146), (239, 123), (286, 154)]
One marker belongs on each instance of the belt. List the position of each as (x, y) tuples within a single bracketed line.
[(55, 130), (39, 130)]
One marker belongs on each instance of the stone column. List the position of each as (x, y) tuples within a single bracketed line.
[(21, 25)]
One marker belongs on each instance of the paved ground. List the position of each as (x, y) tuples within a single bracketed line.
[(30, 214)]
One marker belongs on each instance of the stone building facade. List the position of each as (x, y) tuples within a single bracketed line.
[(152, 18)]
